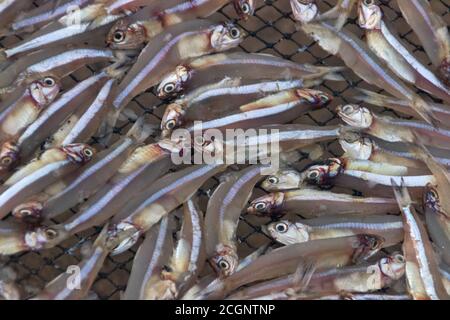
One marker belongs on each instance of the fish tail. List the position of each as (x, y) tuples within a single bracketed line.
[(141, 129), (327, 73), (401, 194)]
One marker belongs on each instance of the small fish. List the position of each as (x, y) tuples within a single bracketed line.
[(389, 48), (441, 111), (280, 107), (360, 278), (222, 216), (364, 148), (388, 227), (393, 130), (314, 203), (330, 172), (247, 66), (189, 255), (62, 32), (151, 258), (285, 260), (422, 273), (432, 32), (366, 65)]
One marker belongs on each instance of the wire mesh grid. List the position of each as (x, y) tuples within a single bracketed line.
[(271, 30)]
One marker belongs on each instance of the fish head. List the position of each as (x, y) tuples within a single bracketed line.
[(45, 237), (369, 15), (125, 35), (29, 212), (172, 118), (225, 261), (355, 116), (304, 11), (314, 97), (366, 246), (44, 91), (174, 82), (393, 266), (9, 155), (226, 36), (268, 205), (287, 232), (79, 152), (244, 8), (282, 180), (323, 174), (355, 146), (431, 198)]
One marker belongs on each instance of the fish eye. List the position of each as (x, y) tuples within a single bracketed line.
[(25, 212), (235, 33), (273, 180), (313, 174), (88, 152), (119, 36), (399, 258), (6, 161), (260, 206), (347, 109), (281, 227), (433, 193), (245, 8), (169, 88), (368, 2), (51, 233), (170, 124), (223, 264), (50, 82)]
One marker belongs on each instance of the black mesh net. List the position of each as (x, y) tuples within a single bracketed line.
[(271, 30)]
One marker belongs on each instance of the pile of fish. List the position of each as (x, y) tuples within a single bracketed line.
[(389, 240)]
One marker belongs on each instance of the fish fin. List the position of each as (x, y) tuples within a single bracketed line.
[(422, 108), (106, 129), (141, 129), (374, 98), (301, 278), (401, 194)]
